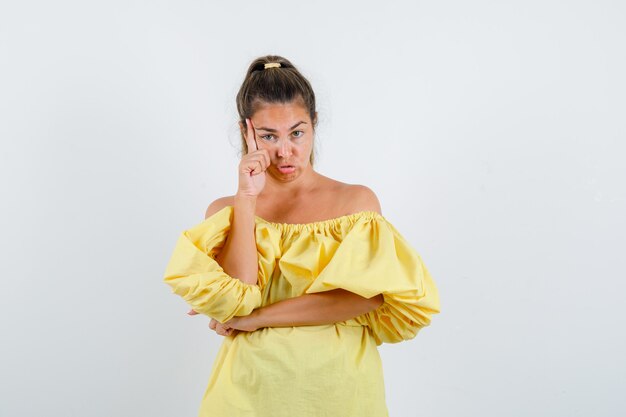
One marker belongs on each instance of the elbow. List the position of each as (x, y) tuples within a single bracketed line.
[(249, 279), (246, 274), (377, 301)]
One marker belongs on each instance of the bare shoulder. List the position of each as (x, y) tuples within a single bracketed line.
[(219, 204), (352, 198), (361, 198)]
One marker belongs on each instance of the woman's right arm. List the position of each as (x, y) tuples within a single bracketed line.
[(238, 256)]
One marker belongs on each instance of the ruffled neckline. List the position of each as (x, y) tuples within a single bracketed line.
[(350, 218)]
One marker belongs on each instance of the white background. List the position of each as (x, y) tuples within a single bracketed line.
[(493, 133)]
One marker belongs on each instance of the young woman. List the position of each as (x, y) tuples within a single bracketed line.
[(300, 272)]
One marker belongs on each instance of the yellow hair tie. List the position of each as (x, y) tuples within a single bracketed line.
[(272, 65)]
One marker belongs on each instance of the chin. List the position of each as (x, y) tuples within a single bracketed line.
[(286, 177)]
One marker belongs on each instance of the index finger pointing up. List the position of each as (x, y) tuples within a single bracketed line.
[(250, 138)]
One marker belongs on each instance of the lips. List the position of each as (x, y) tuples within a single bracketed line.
[(286, 169)]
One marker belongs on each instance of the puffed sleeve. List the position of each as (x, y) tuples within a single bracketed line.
[(373, 258), (194, 274)]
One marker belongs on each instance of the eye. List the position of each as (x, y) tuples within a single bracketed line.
[(301, 133), (267, 137)]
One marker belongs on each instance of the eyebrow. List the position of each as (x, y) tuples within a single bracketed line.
[(274, 130)]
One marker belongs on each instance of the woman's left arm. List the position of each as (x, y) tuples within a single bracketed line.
[(326, 307)]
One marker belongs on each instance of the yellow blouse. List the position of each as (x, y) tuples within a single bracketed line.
[(302, 371)]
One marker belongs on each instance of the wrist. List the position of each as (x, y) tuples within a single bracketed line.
[(245, 201), (256, 318), (244, 212)]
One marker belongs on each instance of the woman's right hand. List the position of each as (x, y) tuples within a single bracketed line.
[(220, 328), (252, 166)]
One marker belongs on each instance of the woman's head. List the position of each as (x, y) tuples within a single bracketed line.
[(275, 91)]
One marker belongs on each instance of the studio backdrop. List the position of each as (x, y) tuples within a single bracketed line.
[(492, 133)]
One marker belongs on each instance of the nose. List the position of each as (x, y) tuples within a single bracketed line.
[(284, 149)]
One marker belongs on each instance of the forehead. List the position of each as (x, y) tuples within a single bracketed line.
[(280, 116)]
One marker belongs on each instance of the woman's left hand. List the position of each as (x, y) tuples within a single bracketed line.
[(243, 323)]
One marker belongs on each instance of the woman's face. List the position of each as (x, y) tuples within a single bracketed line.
[(286, 131)]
